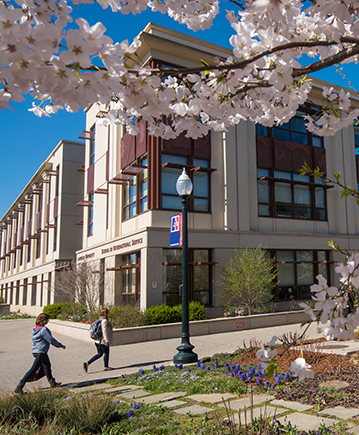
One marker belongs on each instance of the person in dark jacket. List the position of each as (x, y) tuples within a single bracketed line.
[(41, 340)]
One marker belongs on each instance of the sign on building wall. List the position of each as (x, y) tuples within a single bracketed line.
[(176, 231)]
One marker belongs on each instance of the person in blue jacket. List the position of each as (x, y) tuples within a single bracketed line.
[(41, 340)]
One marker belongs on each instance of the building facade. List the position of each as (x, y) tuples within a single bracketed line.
[(39, 235), (246, 192)]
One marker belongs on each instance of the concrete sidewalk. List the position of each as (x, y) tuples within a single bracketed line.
[(16, 357)]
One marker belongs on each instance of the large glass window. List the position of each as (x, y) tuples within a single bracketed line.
[(281, 152), (135, 191), (90, 216), (288, 195), (295, 131), (172, 169), (200, 276), (92, 145), (297, 271), (130, 278)]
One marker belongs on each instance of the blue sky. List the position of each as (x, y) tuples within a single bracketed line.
[(26, 140)]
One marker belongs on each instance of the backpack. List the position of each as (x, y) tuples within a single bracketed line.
[(96, 330)]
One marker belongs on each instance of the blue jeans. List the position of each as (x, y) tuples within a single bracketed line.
[(41, 359), (101, 350)]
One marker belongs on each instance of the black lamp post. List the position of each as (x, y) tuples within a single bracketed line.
[(185, 354)]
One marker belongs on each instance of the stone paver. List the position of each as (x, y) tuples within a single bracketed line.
[(354, 430), (306, 422), (173, 403), (341, 412), (193, 409), (246, 401), (163, 397), (212, 398), (123, 389), (87, 388), (297, 406), (136, 394)]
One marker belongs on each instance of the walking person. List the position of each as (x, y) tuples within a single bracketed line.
[(41, 340), (103, 346)]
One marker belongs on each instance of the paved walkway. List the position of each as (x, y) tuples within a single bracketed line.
[(16, 357)]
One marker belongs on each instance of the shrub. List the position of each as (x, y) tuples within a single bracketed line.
[(161, 314), (73, 311), (197, 311), (2, 301), (127, 316), (53, 310)]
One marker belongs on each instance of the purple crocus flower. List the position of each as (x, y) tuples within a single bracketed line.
[(130, 413)]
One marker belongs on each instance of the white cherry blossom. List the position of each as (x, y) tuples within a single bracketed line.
[(301, 369)]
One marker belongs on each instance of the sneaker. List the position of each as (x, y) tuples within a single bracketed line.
[(108, 369), (85, 366), (54, 384), (19, 389)]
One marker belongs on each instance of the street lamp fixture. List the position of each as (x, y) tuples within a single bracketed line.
[(185, 353)]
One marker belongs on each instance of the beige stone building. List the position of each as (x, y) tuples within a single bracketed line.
[(246, 192), (39, 235)]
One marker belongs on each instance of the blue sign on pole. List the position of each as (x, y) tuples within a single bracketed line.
[(176, 231)]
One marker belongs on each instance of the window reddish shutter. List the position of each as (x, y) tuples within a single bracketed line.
[(141, 140), (300, 154), (282, 156), (127, 150), (56, 206), (319, 159), (181, 145), (264, 152), (48, 213), (29, 225), (202, 147), (38, 221), (107, 165), (90, 174)]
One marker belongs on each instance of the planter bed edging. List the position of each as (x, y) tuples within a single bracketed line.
[(173, 330)]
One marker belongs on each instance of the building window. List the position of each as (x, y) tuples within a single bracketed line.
[(57, 183), (199, 271), (289, 195), (281, 152), (55, 234), (38, 247), (172, 167), (297, 271), (90, 216), (92, 145), (135, 191), (131, 278)]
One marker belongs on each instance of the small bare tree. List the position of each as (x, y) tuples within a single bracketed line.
[(248, 280), (82, 283)]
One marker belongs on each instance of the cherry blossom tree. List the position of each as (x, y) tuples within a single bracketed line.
[(276, 45), (263, 80)]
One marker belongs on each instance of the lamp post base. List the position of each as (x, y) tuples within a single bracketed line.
[(185, 354)]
